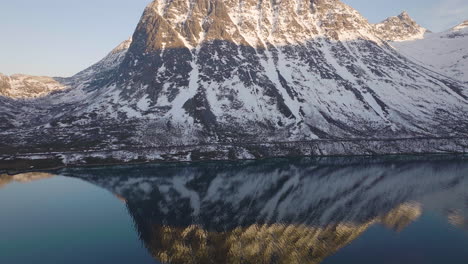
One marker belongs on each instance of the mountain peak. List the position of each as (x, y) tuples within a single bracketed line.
[(460, 26), (186, 24), (404, 15), (400, 28), (122, 46)]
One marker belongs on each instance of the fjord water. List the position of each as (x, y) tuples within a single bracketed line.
[(333, 210)]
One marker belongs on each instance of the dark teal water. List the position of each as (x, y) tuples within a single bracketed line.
[(275, 211)]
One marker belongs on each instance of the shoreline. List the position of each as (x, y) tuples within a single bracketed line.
[(238, 152)]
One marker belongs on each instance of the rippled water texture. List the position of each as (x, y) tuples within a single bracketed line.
[(335, 210)]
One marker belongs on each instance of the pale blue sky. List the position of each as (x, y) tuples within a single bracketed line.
[(62, 37)]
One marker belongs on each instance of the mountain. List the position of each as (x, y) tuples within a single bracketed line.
[(209, 79), (14, 111), (446, 52), (20, 86), (461, 26), (400, 28)]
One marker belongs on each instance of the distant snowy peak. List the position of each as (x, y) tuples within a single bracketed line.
[(121, 48), (461, 26), (21, 86), (400, 28)]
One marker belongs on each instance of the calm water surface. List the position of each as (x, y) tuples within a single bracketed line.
[(405, 210)]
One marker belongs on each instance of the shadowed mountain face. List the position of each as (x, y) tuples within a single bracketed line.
[(281, 211), (207, 71)]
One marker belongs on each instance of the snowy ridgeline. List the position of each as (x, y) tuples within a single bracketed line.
[(445, 52)]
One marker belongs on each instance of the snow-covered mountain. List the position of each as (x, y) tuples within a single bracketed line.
[(20, 86), (446, 52), (400, 28), (207, 72)]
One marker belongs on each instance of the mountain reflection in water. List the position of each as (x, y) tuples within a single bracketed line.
[(278, 211), (23, 177)]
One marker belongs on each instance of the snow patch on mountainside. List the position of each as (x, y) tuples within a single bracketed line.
[(445, 52)]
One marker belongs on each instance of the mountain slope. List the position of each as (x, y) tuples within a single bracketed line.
[(400, 28), (100, 73), (446, 52), (210, 72)]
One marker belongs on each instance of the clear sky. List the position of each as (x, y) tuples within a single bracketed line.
[(62, 37)]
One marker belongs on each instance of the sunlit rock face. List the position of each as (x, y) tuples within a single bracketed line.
[(283, 211), (20, 86), (227, 72), (400, 28)]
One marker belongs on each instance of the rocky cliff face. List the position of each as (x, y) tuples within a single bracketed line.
[(206, 71), (400, 28)]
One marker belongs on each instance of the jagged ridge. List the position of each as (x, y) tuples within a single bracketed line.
[(400, 28)]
